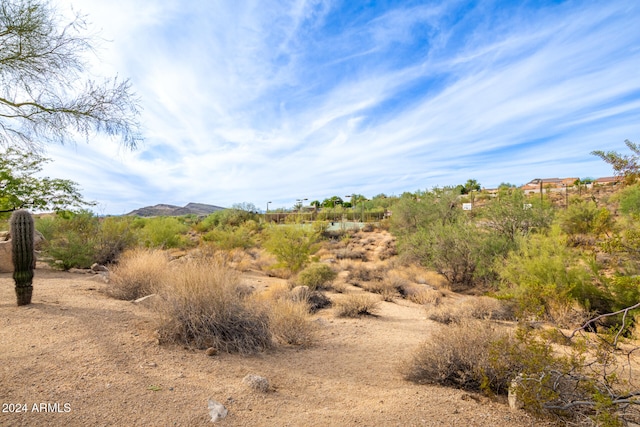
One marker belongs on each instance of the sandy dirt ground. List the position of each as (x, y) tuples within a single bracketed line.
[(76, 357)]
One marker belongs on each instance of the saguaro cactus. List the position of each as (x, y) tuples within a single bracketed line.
[(23, 255)]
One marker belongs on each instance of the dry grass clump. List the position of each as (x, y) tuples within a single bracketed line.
[(488, 308), (351, 253), (463, 356), (201, 306), (484, 308), (290, 323), (446, 315), (424, 295), (385, 288), (361, 272), (138, 273), (356, 305)]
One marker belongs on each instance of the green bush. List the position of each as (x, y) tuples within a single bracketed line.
[(630, 200), (508, 216), (72, 239), (233, 217), (115, 235), (316, 276), (460, 251), (77, 240), (162, 232), (543, 276), (585, 217), (232, 237), (292, 245)]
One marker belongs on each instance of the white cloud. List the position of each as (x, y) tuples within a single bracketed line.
[(257, 101)]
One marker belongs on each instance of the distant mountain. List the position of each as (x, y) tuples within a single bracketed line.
[(171, 210)]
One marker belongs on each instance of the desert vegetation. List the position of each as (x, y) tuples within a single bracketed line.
[(530, 294)]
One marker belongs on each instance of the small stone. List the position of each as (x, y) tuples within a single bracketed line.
[(211, 351), (256, 382), (217, 411)]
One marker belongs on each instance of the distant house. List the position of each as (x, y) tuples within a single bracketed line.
[(534, 185), (608, 180)]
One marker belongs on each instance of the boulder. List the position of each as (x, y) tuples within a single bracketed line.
[(6, 264)]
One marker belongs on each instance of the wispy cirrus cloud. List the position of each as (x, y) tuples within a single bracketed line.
[(273, 101)]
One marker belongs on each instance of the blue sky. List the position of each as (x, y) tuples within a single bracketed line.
[(258, 101)]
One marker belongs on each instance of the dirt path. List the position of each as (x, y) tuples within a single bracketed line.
[(93, 360)]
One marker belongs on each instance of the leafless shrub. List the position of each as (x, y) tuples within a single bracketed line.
[(459, 355), (356, 305)]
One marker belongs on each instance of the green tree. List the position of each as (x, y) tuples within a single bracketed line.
[(44, 95), (292, 245), (511, 214), (21, 188), (625, 166), (412, 211), (332, 202), (469, 186)]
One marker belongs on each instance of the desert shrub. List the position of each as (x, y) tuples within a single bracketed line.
[(356, 305), (581, 385), (629, 199), (506, 216), (202, 306), (237, 215), (368, 227), (351, 253), (482, 308), (231, 238), (316, 276), (315, 300), (162, 232), (488, 308), (421, 294), (384, 288), (80, 239), (543, 276), (115, 235), (72, 239), (360, 272), (460, 356), (445, 314), (460, 251), (290, 324), (46, 225), (139, 272), (585, 217), (292, 245)]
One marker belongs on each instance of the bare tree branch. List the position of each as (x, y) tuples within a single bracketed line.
[(43, 94)]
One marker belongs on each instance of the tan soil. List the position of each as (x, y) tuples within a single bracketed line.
[(97, 358)]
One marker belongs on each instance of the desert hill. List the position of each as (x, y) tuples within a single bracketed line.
[(172, 210)]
